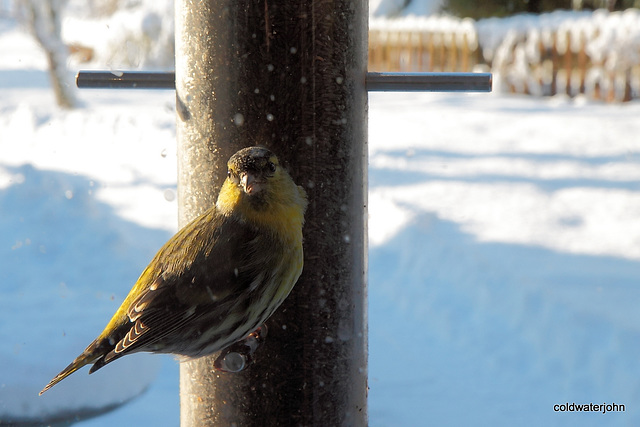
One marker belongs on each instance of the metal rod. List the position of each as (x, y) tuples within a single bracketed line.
[(375, 82), (125, 80), (429, 82)]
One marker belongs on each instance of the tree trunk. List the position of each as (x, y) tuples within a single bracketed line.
[(43, 18)]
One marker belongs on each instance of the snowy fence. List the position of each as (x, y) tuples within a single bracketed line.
[(592, 53), (423, 44)]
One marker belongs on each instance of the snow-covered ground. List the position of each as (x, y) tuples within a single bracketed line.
[(504, 260), (504, 251), (71, 185)]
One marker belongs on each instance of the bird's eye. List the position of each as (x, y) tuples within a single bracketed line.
[(271, 166), (232, 176)]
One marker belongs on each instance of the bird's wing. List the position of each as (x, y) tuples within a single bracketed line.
[(208, 285)]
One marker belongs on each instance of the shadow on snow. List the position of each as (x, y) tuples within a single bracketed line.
[(503, 330)]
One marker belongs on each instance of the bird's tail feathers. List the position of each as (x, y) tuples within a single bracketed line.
[(90, 355)]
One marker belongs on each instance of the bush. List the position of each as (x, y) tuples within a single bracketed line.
[(485, 9)]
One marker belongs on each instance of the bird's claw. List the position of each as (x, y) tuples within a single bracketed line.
[(239, 355)]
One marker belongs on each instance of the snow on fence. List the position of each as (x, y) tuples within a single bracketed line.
[(592, 53), (423, 44)]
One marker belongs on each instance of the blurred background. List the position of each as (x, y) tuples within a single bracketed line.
[(504, 235)]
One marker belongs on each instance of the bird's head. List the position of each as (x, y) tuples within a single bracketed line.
[(251, 170), (259, 189)]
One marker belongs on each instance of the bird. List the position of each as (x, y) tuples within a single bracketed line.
[(218, 278)]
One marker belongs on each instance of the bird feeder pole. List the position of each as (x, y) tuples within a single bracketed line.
[(289, 76)]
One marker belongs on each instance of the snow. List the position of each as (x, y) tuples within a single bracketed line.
[(70, 184), (513, 47), (140, 34), (611, 43), (508, 279), (404, 8), (504, 257)]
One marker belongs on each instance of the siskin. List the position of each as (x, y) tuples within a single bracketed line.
[(219, 278)]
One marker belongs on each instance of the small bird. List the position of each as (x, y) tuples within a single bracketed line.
[(220, 277)]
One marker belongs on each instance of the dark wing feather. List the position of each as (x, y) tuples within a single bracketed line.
[(217, 272)]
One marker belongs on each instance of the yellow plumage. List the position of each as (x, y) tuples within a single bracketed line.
[(220, 277)]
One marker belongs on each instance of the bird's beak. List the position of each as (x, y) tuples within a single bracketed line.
[(249, 183)]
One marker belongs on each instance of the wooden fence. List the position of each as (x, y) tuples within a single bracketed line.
[(597, 54), (422, 51)]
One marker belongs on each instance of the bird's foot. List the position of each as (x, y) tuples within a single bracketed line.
[(239, 355)]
